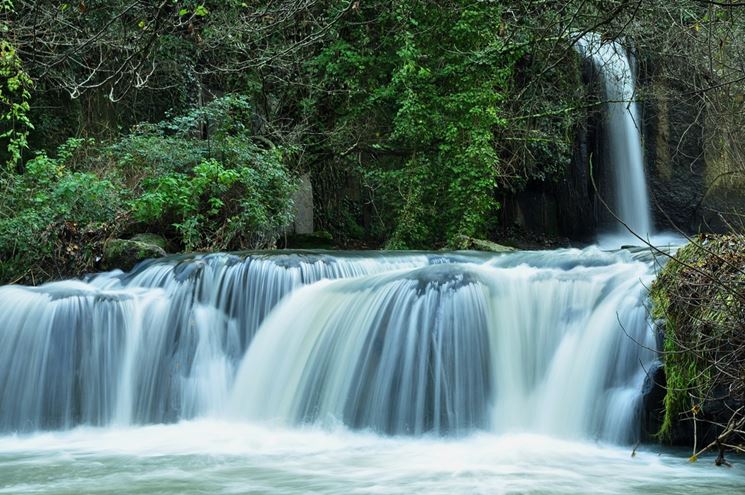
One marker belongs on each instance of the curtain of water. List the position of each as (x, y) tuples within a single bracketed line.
[(401, 344), (622, 132)]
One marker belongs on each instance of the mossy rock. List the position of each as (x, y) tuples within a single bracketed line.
[(698, 296), (465, 242), (126, 253), (152, 239)]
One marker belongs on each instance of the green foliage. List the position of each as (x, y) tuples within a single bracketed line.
[(398, 110), (204, 175), (412, 118), (218, 207), (421, 97), (15, 95), (203, 179), (49, 209), (699, 296)]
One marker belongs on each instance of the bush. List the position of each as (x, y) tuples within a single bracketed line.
[(215, 207), (51, 215), (204, 180)]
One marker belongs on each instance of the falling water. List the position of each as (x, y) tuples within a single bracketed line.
[(622, 132), (157, 345), (399, 344), (356, 373), (452, 348)]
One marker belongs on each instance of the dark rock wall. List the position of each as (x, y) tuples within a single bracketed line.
[(568, 207), (673, 136), (688, 167), (693, 155)]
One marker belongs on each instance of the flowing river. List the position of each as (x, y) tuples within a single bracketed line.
[(346, 373), (207, 457)]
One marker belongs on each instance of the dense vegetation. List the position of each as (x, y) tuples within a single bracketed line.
[(700, 295), (196, 119), (204, 186)]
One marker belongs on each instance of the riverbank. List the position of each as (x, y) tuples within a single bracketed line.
[(699, 303)]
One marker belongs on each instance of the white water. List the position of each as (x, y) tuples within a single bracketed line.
[(449, 349), (399, 344), (417, 373), (622, 129), (212, 457)]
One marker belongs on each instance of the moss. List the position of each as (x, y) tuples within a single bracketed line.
[(152, 239), (693, 295), (125, 253)]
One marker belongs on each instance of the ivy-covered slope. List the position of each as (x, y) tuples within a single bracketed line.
[(700, 296)]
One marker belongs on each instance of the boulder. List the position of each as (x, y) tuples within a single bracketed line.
[(126, 253), (465, 242), (152, 239)]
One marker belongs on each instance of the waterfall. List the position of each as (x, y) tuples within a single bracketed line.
[(440, 343), (622, 132)]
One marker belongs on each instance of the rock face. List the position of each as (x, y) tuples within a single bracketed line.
[(126, 253), (694, 167), (694, 173), (303, 209), (674, 149), (569, 207)]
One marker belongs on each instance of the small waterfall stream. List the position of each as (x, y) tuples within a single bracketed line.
[(541, 342), (622, 132)]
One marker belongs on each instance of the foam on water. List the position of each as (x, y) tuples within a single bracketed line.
[(358, 373), (210, 456)]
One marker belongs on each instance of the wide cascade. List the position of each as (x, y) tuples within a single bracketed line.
[(547, 342), (622, 132)]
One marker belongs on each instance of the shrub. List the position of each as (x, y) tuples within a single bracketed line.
[(50, 217), (206, 179)]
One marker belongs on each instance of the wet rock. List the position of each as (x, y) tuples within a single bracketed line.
[(152, 239), (465, 242), (653, 395), (126, 253)]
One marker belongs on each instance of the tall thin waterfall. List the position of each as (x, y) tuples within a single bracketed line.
[(419, 343), (622, 132)]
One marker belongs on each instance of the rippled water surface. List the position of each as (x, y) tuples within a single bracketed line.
[(218, 457)]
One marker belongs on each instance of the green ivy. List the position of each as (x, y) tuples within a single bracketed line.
[(15, 97), (420, 95)]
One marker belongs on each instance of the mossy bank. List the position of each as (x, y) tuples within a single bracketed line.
[(698, 301)]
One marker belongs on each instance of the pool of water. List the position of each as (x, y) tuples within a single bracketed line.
[(210, 457)]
